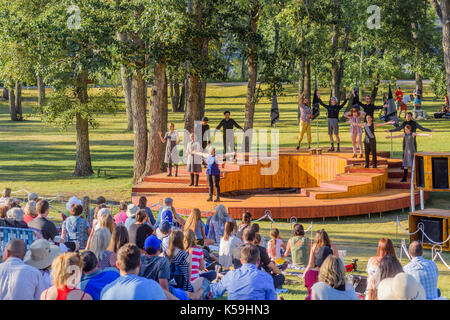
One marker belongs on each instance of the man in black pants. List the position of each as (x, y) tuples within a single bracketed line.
[(228, 124), (369, 108)]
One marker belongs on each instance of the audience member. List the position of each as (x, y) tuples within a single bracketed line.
[(216, 226), (132, 209), (75, 227), (100, 203), (255, 228), (424, 271), (14, 219), (99, 246), (6, 194), (401, 287), (179, 259), (385, 247), (275, 247), (320, 241), (66, 273), (121, 217), (143, 205), (41, 255), (389, 267), (94, 280), (197, 258), (332, 284), (299, 247), (29, 211), (72, 201), (312, 275), (18, 281), (105, 220), (152, 265), (41, 223), (246, 221), (163, 233), (227, 244), (130, 286), (139, 231), (119, 238), (246, 282), (195, 223)]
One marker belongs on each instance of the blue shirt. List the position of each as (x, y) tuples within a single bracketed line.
[(150, 215), (132, 287), (426, 272), (213, 167), (130, 221), (95, 282), (161, 214), (245, 283)]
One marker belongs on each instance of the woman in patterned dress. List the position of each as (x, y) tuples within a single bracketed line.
[(171, 157), (356, 131)]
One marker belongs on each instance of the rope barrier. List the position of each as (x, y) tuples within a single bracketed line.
[(398, 222), (292, 220), (404, 249), (436, 251), (421, 228)]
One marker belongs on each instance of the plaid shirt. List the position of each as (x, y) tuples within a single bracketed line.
[(305, 112), (425, 272)]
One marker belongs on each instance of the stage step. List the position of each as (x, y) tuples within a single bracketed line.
[(160, 187), (395, 163), (397, 173), (396, 184), (182, 178), (341, 185), (360, 176), (379, 169)]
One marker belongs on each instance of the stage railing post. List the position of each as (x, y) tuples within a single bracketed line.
[(413, 201), (422, 201)]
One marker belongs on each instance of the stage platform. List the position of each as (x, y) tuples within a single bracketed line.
[(305, 186)]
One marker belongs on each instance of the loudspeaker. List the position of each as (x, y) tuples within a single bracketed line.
[(420, 177), (433, 228), (440, 173)]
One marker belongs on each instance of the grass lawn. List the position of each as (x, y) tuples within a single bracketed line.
[(41, 158)]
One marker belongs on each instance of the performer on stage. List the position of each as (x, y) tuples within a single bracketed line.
[(370, 142), (206, 136), (333, 122), (194, 162), (228, 125), (171, 156), (305, 120), (369, 108), (409, 148), (355, 117)]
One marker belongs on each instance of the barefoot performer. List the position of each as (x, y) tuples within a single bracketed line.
[(333, 123), (370, 142), (171, 157), (409, 148), (305, 120)]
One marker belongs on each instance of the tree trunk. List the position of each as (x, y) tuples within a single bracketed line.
[(203, 85), (41, 91), (243, 67), (182, 97), (335, 65), (375, 88), (83, 167), (19, 113), (172, 98), (419, 82), (307, 79), (12, 105), (445, 13), (301, 83), (176, 96), (126, 86), (138, 102), (158, 119), (5, 93)]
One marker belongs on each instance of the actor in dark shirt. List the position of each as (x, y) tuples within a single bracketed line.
[(228, 125)]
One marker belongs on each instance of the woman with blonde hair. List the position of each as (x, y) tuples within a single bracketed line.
[(197, 258), (66, 273), (227, 244), (29, 211), (195, 223), (332, 283), (119, 238), (99, 244), (106, 221), (322, 239)]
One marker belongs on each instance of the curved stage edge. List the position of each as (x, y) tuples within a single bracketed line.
[(339, 187)]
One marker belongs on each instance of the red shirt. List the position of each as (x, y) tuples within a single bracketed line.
[(27, 218), (311, 277), (399, 95), (197, 256)]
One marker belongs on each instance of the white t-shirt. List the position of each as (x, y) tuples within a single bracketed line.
[(406, 99), (322, 291)]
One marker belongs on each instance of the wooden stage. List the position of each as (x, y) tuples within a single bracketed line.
[(305, 186)]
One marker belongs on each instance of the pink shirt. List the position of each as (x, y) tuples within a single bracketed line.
[(121, 217), (311, 277), (197, 256)]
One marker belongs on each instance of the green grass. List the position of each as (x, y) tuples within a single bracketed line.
[(41, 158)]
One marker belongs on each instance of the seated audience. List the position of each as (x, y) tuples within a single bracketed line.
[(139, 231), (275, 247), (332, 283), (105, 220), (298, 246), (29, 211), (179, 260), (75, 227), (246, 221), (143, 206), (401, 287), (265, 262), (424, 271), (163, 233), (216, 225), (154, 266), (72, 201), (320, 241), (94, 280), (99, 246), (197, 258), (312, 275), (246, 282), (100, 203), (41, 223), (14, 219), (66, 273), (41, 255), (119, 238), (130, 286), (121, 217), (227, 244), (385, 247), (195, 223), (18, 281), (6, 194), (132, 209), (255, 228), (389, 267)]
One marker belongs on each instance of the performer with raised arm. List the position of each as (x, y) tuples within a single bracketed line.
[(333, 119), (409, 148), (370, 142), (193, 161), (171, 156), (369, 108), (227, 124), (355, 117), (305, 120)]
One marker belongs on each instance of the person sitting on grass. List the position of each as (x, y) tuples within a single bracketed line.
[(101, 201), (246, 221), (140, 230), (389, 267), (216, 226), (121, 217), (255, 228), (424, 271), (227, 244), (276, 247), (29, 211), (94, 280), (119, 238), (195, 223), (99, 244), (143, 205), (66, 273), (401, 287), (163, 233), (299, 247), (130, 286), (198, 268), (332, 283), (312, 275), (246, 282), (75, 227), (322, 239), (14, 219), (132, 209)]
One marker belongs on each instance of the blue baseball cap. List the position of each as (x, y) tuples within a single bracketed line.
[(168, 200), (152, 242), (165, 227)]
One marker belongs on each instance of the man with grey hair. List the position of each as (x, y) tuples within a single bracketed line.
[(14, 219), (18, 281)]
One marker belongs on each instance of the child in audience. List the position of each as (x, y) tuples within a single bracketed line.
[(255, 227), (276, 247), (227, 244)]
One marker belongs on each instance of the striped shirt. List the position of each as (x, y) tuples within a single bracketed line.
[(181, 261), (197, 256)]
